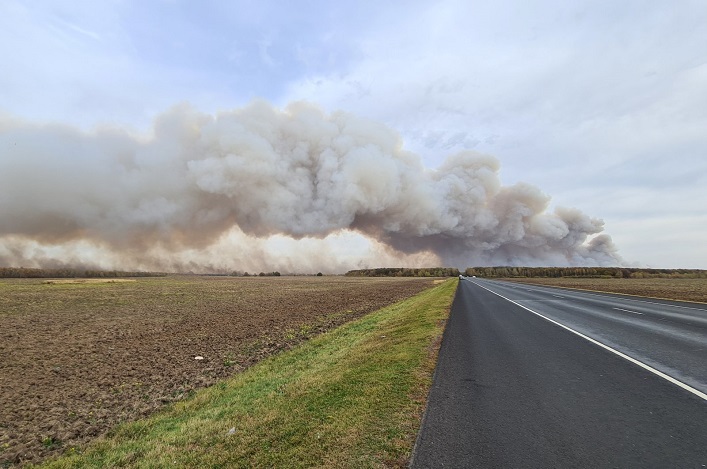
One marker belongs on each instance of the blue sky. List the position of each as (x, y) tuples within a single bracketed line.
[(600, 104)]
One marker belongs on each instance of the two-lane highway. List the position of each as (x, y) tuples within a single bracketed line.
[(534, 376), (669, 336)]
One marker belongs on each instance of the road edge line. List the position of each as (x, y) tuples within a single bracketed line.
[(666, 377)]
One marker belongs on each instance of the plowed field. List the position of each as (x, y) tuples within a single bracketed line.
[(76, 359)]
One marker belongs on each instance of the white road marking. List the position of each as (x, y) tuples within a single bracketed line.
[(669, 378), (627, 310), (558, 296)]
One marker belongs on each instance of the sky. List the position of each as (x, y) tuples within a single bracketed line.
[(601, 105)]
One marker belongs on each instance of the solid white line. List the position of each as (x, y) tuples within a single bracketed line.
[(627, 310), (686, 387)]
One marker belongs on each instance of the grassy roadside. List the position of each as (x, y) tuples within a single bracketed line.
[(349, 398)]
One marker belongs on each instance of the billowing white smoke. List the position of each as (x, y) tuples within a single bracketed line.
[(263, 171)]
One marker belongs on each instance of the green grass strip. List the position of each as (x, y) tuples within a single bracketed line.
[(352, 397)]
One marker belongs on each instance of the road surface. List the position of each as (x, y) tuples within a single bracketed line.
[(532, 376)]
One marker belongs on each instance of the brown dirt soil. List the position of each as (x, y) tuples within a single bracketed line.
[(76, 359), (685, 289)]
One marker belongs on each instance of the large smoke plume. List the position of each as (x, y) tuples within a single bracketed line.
[(165, 200)]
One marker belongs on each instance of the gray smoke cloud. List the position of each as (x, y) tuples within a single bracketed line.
[(264, 171)]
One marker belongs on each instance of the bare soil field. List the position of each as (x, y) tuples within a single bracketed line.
[(78, 358), (685, 289)]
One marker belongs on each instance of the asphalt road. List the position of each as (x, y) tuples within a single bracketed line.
[(514, 389)]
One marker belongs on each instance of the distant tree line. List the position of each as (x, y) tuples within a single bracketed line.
[(510, 272), (261, 274), (23, 272), (405, 272), (587, 272)]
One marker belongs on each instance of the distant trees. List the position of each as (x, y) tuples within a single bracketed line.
[(490, 272), (510, 272), (23, 272), (587, 272), (405, 272), (237, 273)]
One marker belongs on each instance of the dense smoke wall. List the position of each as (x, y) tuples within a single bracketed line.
[(263, 171)]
